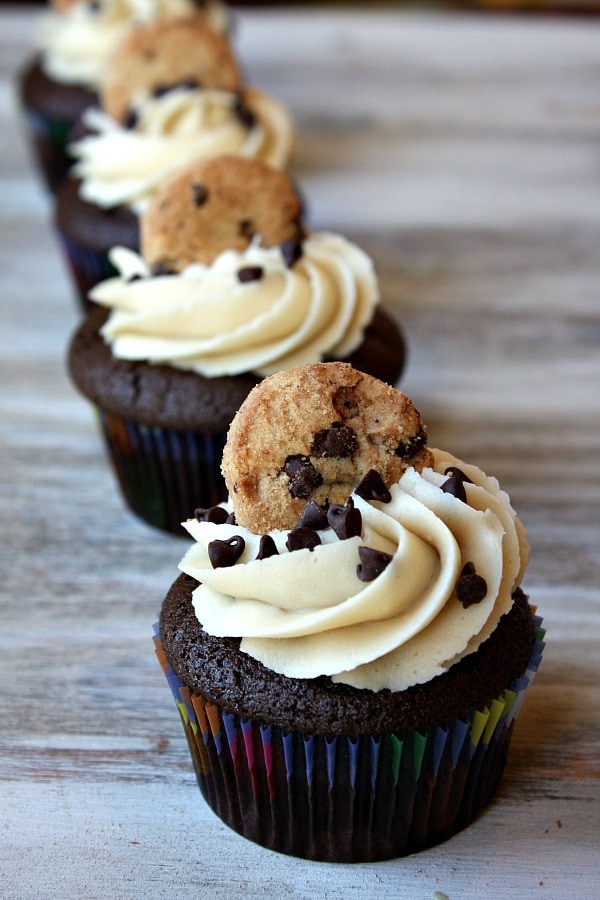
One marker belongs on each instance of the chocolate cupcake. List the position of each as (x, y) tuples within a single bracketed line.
[(173, 96), (349, 685), (75, 41), (229, 287)]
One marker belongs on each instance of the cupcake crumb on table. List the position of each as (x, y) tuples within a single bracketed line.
[(348, 682)]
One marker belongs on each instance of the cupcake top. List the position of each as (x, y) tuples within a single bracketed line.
[(173, 95), (399, 568), (229, 281), (78, 37)]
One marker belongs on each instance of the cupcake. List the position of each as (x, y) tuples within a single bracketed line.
[(76, 39), (229, 287), (348, 642), (174, 95)]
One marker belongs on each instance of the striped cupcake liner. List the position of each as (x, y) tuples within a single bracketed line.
[(348, 800), (48, 138), (164, 474), (87, 268)]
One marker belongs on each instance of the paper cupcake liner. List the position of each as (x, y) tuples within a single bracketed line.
[(48, 138), (164, 475), (87, 267), (348, 800)]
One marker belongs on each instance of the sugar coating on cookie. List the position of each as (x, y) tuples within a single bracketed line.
[(311, 434), (217, 205), (167, 53)]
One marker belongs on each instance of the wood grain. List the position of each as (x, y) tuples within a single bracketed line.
[(461, 151)]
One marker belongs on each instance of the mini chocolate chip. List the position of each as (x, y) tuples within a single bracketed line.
[(135, 277), (301, 538), (345, 520), (250, 273), (226, 553), (411, 445), (199, 194), (454, 470), (162, 268), (215, 514), (159, 90), (470, 588), (231, 520), (291, 251), (372, 487), (313, 517), (190, 83), (244, 113), (339, 441), (246, 228), (267, 547), (130, 119), (455, 487), (303, 476), (95, 6), (372, 563)]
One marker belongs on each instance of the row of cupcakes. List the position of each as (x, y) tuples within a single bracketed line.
[(349, 643)]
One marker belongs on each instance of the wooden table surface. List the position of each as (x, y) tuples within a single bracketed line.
[(462, 152)]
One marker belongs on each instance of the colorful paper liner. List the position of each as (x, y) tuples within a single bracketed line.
[(87, 267), (48, 138), (348, 800), (164, 474)]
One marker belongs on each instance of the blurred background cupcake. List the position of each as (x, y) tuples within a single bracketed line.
[(348, 679), (228, 288), (174, 94), (75, 42)]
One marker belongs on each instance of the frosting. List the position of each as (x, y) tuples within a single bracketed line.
[(121, 165), (210, 320), (307, 613), (77, 42)]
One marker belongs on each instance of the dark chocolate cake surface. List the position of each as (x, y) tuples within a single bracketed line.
[(167, 397), (63, 102), (91, 226), (220, 672)]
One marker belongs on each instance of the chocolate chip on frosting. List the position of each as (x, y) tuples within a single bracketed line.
[(372, 563), (226, 553), (345, 520), (291, 251), (250, 273), (470, 588), (216, 514), (313, 517), (372, 487), (455, 484), (267, 547), (301, 538)]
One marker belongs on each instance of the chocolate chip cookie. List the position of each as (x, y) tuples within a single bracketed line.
[(168, 53), (311, 434), (218, 205)]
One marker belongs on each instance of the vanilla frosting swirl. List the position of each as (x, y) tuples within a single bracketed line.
[(306, 613), (121, 165), (210, 320), (77, 43)]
